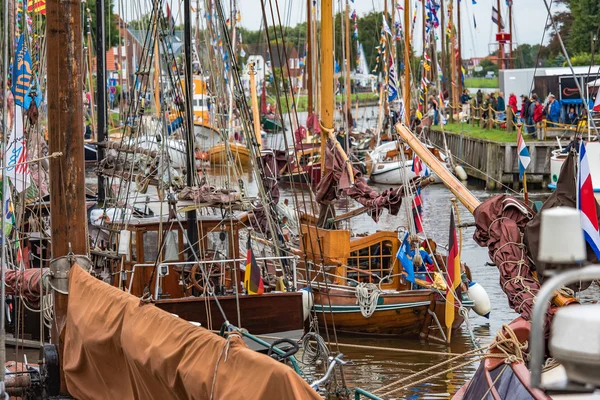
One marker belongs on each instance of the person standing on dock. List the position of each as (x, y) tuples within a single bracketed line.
[(501, 106), (512, 103), (538, 115), (553, 110), (466, 106)]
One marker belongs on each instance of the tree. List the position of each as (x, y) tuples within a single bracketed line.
[(580, 59), (586, 21), (111, 30)]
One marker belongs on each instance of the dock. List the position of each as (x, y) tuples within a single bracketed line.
[(493, 162)]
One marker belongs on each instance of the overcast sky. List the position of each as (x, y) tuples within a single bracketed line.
[(529, 19)]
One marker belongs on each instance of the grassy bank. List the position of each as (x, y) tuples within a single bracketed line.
[(302, 101), (483, 83), (496, 135)]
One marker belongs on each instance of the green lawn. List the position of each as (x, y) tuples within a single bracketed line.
[(482, 83), (302, 101), (496, 135)]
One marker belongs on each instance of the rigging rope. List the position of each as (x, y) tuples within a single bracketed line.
[(367, 296)]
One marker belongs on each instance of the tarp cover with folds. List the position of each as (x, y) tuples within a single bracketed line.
[(336, 180), (116, 348)]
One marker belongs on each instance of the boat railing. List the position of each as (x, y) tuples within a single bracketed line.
[(162, 269)]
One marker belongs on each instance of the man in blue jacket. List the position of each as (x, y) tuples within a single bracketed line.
[(553, 109)]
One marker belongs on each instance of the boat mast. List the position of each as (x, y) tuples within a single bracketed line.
[(255, 113), (406, 62), (327, 76), (90, 67), (348, 83), (459, 83), (443, 37), (101, 88), (510, 31), (309, 57), (192, 229), (156, 70), (500, 44), (233, 18), (68, 218)]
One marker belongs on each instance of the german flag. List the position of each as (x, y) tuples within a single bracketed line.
[(453, 274), (38, 6), (252, 280)]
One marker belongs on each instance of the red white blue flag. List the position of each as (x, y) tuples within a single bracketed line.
[(586, 202), (523, 153)]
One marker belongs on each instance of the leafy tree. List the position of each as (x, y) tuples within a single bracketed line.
[(586, 21), (580, 59), (111, 30), (486, 66)]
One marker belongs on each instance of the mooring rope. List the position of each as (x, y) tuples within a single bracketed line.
[(367, 296)]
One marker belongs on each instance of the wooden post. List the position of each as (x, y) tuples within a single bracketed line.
[(65, 134), (309, 57), (525, 188), (327, 75), (490, 117), (406, 62), (509, 119)]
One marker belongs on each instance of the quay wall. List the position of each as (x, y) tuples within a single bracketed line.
[(493, 162)]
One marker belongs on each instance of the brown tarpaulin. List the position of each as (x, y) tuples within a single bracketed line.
[(116, 348), (565, 195), (336, 180), (500, 223)]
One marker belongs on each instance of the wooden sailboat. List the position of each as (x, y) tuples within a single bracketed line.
[(340, 267)]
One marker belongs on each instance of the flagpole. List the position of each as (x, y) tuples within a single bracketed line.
[(525, 188)]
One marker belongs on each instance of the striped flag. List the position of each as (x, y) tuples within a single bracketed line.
[(495, 17), (392, 87), (597, 103), (417, 210), (586, 202), (252, 279), (453, 274), (523, 153), (38, 6)]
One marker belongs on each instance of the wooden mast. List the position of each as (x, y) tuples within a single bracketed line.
[(406, 62), (348, 83), (510, 31), (443, 37), (327, 76), (254, 99), (309, 57), (156, 71), (500, 45), (65, 133), (452, 55), (459, 82), (90, 67)]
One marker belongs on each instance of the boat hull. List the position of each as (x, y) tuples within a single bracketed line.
[(259, 314), (397, 314), (395, 173), (206, 136), (218, 154)]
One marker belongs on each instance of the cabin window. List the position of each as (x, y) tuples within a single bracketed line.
[(150, 239), (172, 246), (218, 241), (375, 260)]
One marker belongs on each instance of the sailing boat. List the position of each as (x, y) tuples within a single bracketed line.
[(341, 269)]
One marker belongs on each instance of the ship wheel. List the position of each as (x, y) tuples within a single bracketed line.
[(195, 277)]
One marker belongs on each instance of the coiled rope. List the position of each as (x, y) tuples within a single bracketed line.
[(367, 295)]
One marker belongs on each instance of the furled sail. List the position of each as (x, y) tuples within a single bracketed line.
[(118, 347)]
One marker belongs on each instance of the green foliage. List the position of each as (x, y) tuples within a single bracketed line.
[(586, 20), (526, 55), (581, 59), (486, 66), (111, 30), (494, 135), (559, 60)]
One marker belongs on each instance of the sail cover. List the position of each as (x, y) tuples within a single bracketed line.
[(116, 347), (336, 180)]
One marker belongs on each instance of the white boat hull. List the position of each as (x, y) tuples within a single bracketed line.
[(593, 155)]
